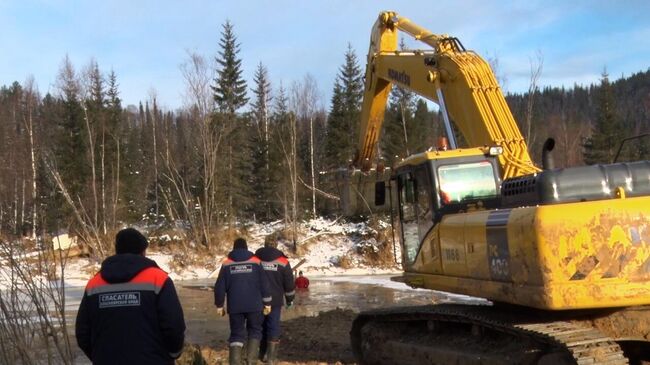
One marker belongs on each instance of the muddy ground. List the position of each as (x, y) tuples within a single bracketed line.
[(322, 339), (315, 330)]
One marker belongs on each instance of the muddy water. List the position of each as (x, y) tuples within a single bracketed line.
[(324, 294)]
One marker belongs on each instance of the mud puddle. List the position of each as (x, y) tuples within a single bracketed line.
[(316, 329)]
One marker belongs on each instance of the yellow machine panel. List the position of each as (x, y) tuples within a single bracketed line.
[(565, 256)]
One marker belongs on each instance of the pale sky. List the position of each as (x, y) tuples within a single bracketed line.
[(145, 41)]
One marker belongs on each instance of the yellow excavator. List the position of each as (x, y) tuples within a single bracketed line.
[(562, 254)]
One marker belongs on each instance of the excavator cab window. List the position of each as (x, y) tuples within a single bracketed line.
[(466, 182), (408, 215), (415, 209), (424, 202)]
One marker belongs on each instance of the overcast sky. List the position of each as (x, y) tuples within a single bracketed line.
[(144, 41)]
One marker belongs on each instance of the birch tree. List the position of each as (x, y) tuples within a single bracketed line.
[(115, 127), (30, 104), (154, 118), (306, 100), (536, 67), (284, 142), (199, 102)]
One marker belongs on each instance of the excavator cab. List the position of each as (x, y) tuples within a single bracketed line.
[(443, 183)]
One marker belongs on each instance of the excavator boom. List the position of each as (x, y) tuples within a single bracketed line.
[(459, 81)]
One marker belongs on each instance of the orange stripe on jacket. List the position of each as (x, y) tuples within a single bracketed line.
[(150, 275), (283, 260), (253, 260)]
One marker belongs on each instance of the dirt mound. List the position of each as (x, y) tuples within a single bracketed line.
[(324, 338)]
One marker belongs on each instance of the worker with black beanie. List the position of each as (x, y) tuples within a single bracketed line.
[(130, 240), (242, 282), (130, 312)]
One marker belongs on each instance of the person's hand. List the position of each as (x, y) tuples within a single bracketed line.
[(221, 312), (266, 310)]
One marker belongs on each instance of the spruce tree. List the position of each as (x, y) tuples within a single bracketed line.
[(70, 149), (343, 121), (230, 95), (95, 115), (114, 106), (49, 199), (398, 123), (97, 86), (260, 142), (229, 88), (607, 132), (279, 150), (135, 159), (262, 102), (114, 143), (425, 127), (147, 174)]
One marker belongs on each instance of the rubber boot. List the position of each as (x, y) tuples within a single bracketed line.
[(235, 355), (253, 351), (272, 352), (262, 354)]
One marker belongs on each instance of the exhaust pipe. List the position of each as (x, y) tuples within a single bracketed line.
[(547, 157)]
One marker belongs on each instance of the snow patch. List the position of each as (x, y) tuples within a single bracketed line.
[(323, 245)]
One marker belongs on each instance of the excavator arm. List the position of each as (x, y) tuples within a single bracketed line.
[(459, 81)]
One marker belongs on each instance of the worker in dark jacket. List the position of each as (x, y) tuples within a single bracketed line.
[(278, 271), (130, 313), (243, 283)]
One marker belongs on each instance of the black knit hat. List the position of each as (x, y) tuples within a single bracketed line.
[(129, 240), (240, 243)]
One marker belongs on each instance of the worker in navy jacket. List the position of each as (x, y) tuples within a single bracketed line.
[(280, 276), (242, 282), (130, 313)]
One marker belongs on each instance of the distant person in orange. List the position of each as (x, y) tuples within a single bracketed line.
[(301, 281)]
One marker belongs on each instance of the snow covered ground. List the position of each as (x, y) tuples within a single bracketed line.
[(323, 245), (384, 281)]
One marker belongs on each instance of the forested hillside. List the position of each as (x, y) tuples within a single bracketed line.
[(572, 115), (77, 158)]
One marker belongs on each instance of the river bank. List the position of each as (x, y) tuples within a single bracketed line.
[(315, 329)]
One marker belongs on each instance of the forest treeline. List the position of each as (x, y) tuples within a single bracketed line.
[(78, 159)]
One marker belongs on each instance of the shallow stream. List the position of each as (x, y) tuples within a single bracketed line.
[(326, 293)]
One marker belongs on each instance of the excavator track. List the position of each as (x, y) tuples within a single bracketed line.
[(470, 334)]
